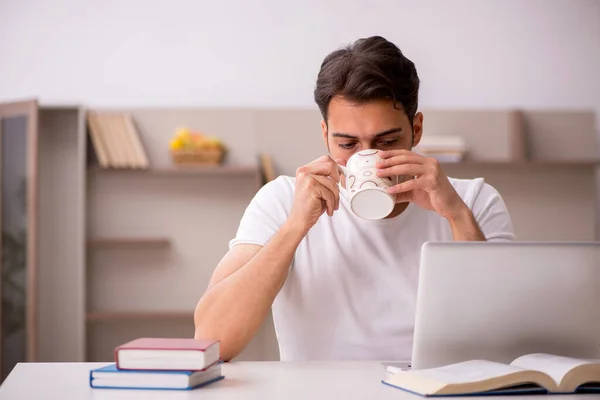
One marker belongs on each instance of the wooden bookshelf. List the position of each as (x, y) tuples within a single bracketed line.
[(129, 242), (138, 315)]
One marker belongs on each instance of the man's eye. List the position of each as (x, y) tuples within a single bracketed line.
[(347, 146), (390, 142)]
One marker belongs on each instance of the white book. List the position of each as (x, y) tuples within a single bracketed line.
[(530, 373)]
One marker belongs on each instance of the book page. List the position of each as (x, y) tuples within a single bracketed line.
[(555, 366), (470, 377), (467, 372)]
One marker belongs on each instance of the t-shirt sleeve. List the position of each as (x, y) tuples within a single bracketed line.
[(492, 215), (267, 211)]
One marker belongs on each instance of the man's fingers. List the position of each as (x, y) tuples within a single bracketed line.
[(341, 161), (402, 169), (405, 186), (332, 186), (326, 167), (329, 198), (402, 158)]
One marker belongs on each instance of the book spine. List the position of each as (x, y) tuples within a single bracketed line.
[(117, 358)]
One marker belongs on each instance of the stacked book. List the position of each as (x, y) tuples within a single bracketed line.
[(116, 141), (161, 363), (443, 148)]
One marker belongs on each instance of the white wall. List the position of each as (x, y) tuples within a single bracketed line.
[(488, 53)]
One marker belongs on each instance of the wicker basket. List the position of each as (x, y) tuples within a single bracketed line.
[(198, 157)]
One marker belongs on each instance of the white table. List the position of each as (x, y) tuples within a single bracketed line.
[(243, 380)]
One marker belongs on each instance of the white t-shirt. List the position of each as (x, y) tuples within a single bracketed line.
[(351, 289)]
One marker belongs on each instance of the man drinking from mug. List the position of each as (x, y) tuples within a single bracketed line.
[(342, 287)]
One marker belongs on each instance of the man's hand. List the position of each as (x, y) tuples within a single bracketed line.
[(316, 192), (428, 186), (426, 183)]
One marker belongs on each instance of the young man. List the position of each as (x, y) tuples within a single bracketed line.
[(341, 287)]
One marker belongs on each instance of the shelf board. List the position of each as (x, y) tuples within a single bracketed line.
[(522, 164), (129, 242), (209, 170), (137, 315)]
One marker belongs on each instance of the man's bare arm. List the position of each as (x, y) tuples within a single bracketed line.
[(465, 228), (242, 290)]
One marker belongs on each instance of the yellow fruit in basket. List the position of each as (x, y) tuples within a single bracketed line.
[(186, 139), (176, 144)]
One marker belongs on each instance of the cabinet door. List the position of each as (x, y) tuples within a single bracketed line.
[(18, 214)]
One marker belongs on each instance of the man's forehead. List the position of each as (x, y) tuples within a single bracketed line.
[(364, 120), (367, 127)]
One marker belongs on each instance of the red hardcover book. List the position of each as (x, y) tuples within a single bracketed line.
[(167, 354)]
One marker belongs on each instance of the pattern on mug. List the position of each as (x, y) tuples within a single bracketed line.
[(369, 183), (364, 161)]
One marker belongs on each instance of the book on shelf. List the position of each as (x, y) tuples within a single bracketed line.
[(167, 354), (532, 373), (116, 141), (111, 377), (444, 148)]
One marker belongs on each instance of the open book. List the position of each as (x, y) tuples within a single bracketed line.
[(532, 373)]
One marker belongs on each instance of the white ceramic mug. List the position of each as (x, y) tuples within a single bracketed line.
[(366, 192)]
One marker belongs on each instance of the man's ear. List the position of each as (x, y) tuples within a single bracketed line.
[(324, 132), (417, 128)]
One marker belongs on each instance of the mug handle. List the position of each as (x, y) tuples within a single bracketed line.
[(343, 170)]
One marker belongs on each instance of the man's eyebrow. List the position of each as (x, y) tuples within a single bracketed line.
[(389, 131), (344, 135), (349, 136)]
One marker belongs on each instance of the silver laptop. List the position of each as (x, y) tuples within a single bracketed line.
[(498, 301)]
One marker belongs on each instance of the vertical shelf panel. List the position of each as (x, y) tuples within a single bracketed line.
[(62, 235)]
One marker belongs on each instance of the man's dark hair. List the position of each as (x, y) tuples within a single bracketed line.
[(369, 69)]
